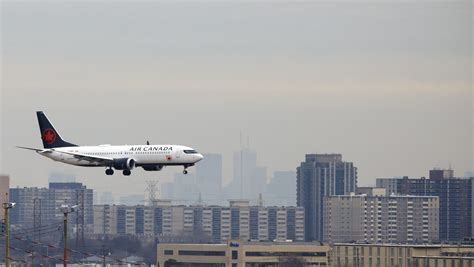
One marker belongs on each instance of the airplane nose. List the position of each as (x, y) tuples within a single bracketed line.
[(199, 157)]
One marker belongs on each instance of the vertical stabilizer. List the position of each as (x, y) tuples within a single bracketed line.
[(49, 135)]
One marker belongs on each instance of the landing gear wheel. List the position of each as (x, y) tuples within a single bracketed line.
[(185, 172), (126, 172), (109, 171)]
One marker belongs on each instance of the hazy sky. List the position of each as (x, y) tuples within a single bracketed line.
[(387, 84)]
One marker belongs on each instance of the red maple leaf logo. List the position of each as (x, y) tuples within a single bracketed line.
[(49, 136), (168, 157)]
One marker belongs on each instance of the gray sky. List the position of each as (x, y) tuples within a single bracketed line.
[(387, 84)]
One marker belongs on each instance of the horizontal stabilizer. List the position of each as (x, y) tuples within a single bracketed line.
[(30, 148)]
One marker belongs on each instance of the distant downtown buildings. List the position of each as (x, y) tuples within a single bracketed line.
[(216, 223), (322, 175), (209, 176), (249, 179)]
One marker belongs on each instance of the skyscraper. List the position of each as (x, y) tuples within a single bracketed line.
[(209, 176), (249, 179), (281, 189), (322, 175)]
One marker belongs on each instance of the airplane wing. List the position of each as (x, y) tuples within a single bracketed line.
[(92, 159)]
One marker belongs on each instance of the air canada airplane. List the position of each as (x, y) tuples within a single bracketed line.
[(124, 158)]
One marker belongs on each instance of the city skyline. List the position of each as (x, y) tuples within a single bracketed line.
[(380, 83), (328, 133), (214, 197)]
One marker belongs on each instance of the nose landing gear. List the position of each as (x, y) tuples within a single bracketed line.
[(185, 167)]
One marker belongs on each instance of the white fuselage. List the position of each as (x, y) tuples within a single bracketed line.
[(142, 154)]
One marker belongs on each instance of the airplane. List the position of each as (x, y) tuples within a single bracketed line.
[(124, 157)]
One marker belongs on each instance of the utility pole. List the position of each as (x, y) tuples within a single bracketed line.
[(37, 226), (104, 255), (6, 207), (65, 209), (65, 240)]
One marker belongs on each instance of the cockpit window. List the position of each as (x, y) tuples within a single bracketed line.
[(190, 151)]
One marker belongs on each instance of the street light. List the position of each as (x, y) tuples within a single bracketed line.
[(6, 207), (65, 209)]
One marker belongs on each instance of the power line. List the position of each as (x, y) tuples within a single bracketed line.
[(33, 228), (36, 243), (44, 228)]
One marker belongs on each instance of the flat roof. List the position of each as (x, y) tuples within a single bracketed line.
[(407, 245), (251, 243)]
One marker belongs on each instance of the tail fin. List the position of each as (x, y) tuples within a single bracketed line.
[(49, 135)]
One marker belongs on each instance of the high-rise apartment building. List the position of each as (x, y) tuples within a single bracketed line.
[(455, 200), (322, 175), (381, 219), (37, 207), (390, 185), (216, 223)]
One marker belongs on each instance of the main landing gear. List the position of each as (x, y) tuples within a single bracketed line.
[(110, 171)]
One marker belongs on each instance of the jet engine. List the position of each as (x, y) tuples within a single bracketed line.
[(124, 164), (152, 167)]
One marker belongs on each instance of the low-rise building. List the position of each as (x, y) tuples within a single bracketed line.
[(238, 253), (390, 255)]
